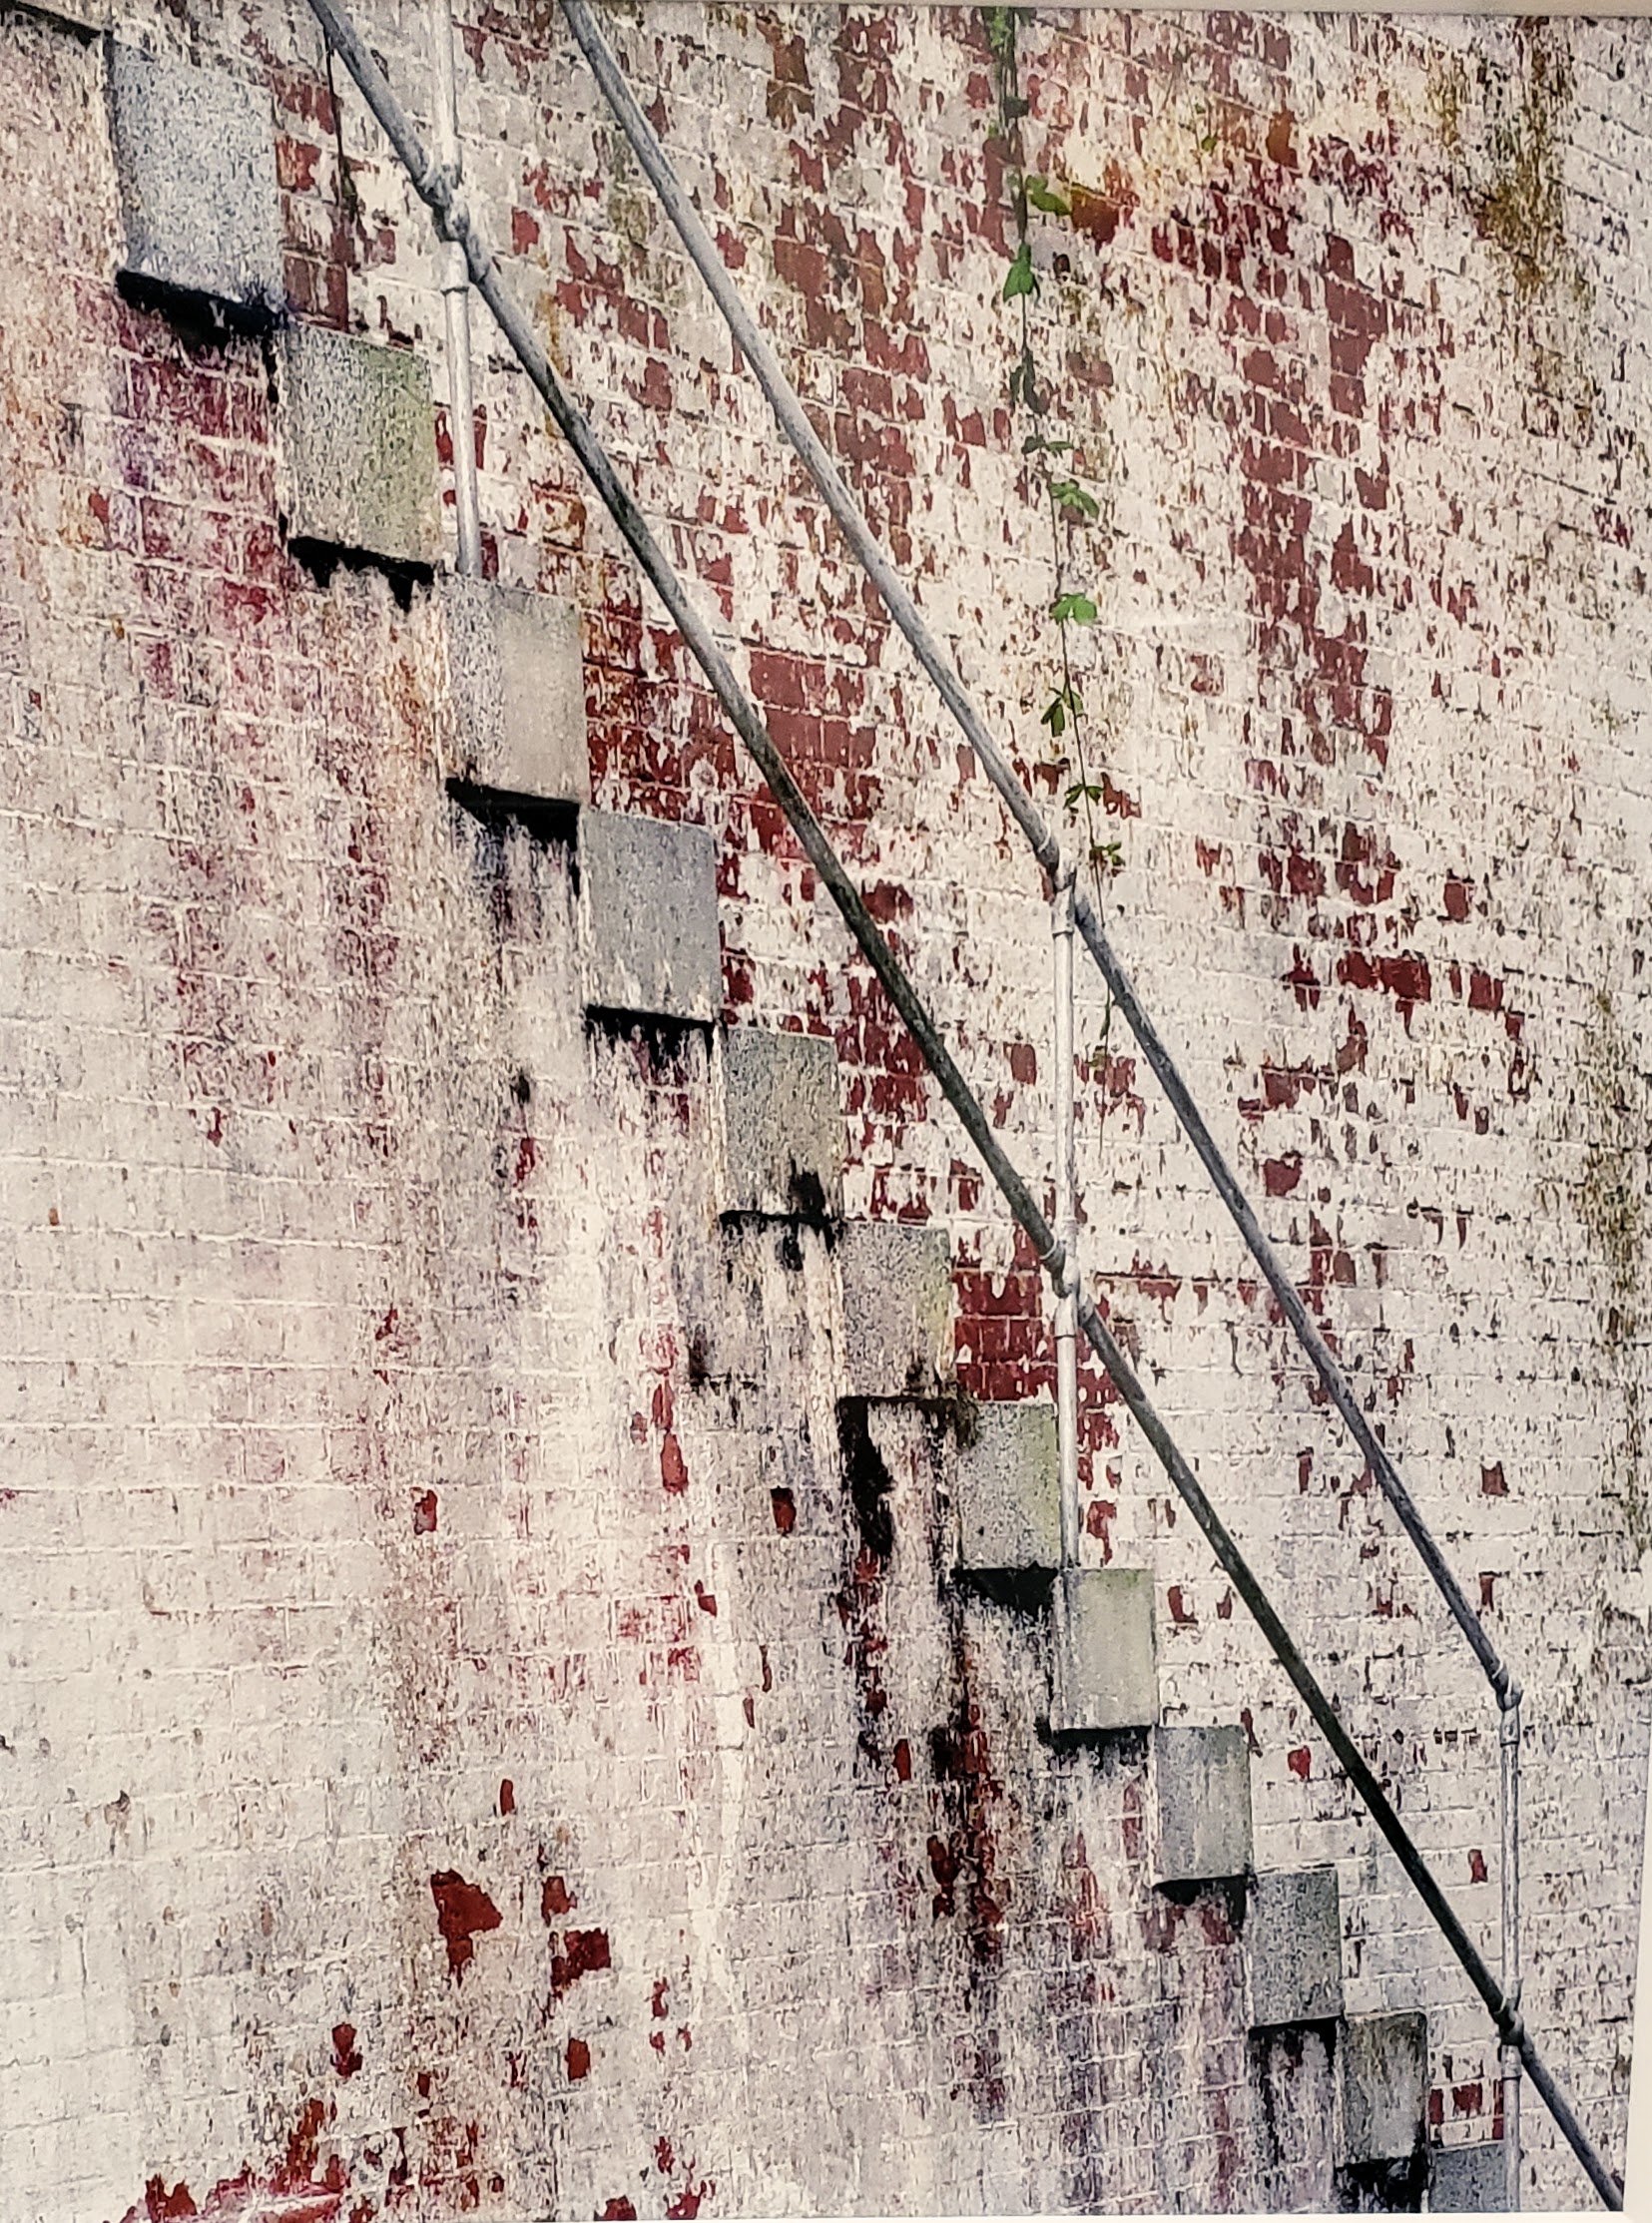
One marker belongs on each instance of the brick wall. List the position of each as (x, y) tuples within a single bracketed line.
[(458, 1757)]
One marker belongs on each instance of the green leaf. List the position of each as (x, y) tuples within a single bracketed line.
[(1023, 278), (1074, 498), (1023, 387), (1107, 857), (1036, 444), (1081, 790), (1046, 199), (1064, 705), (1000, 33), (1073, 609)]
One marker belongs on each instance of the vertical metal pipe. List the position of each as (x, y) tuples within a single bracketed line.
[(1509, 1787), (1067, 1218), (455, 292)]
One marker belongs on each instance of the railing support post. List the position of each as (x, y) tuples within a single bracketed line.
[(1509, 1801), (455, 296), (1067, 1218)]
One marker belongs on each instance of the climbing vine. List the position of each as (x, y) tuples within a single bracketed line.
[(1056, 481)]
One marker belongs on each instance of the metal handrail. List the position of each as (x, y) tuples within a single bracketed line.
[(437, 188)]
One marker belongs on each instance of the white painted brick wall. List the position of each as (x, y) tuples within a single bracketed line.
[(344, 1395)]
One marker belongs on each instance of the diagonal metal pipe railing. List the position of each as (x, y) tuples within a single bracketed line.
[(435, 187)]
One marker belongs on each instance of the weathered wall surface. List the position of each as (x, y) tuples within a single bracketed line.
[(460, 1755)]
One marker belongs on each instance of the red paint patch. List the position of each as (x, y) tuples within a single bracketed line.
[(1492, 1482), (1281, 1175), (1476, 1866), (346, 2058), (1099, 215), (297, 2171), (1131, 1828), (1406, 978), (583, 1952), (463, 1911), (425, 1514), (1300, 1762), (618, 2211), (1099, 1515), (946, 1861), (1304, 980), (507, 1797), (556, 1898), (784, 1509), (1212, 1921), (903, 1761), (162, 2207), (579, 2059), (674, 1475), (688, 2201)]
